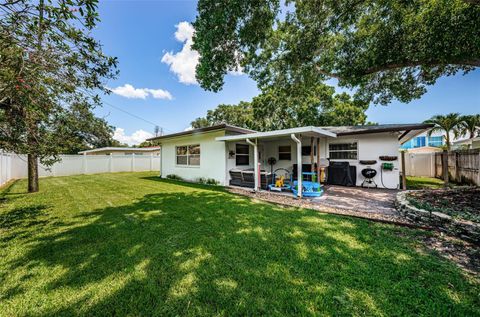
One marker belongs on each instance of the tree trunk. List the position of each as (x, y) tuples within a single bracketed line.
[(32, 173), (32, 124)]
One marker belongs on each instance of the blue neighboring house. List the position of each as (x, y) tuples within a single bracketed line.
[(424, 140)]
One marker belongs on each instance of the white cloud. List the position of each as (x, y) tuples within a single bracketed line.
[(136, 138), (128, 91), (184, 62), (160, 94)]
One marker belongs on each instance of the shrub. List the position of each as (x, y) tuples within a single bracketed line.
[(174, 177), (206, 181), (211, 181)]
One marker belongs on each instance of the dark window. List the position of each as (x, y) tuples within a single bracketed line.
[(343, 151), (285, 153), (188, 155), (306, 150), (242, 154)]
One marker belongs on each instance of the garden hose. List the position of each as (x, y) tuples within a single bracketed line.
[(381, 179)]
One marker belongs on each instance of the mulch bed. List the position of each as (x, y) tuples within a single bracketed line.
[(463, 253), (460, 203)]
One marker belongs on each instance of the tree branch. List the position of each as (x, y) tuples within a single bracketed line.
[(379, 68)]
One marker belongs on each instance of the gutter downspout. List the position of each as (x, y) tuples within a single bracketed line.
[(299, 164), (255, 162)]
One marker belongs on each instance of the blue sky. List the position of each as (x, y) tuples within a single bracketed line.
[(157, 64)]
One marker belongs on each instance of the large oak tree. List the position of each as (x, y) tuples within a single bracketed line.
[(49, 63), (384, 49)]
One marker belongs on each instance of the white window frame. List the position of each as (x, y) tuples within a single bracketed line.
[(188, 155), (337, 151)]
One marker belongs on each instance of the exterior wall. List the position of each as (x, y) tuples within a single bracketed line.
[(370, 147), (212, 157), (426, 142)]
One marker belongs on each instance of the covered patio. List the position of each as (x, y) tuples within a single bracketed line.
[(298, 150)]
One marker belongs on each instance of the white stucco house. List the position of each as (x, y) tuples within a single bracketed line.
[(216, 151)]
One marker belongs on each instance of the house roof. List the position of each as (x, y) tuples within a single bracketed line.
[(123, 149), (306, 131), (223, 126), (407, 131)]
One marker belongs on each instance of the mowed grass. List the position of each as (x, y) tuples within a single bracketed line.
[(131, 244), (418, 182)]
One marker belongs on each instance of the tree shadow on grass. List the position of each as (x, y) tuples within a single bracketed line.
[(185, 184), (23, 216), (208, 252)]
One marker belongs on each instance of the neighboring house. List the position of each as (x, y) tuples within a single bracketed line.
[(123, 151), (466, 144), (213, 152), (425, 149), (423, 140)]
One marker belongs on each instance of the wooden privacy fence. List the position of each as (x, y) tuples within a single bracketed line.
[(463, 166)]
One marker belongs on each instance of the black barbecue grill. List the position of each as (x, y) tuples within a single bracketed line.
[(368, 174)]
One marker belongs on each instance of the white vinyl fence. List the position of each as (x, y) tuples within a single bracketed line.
[(420, 164), (13, 166)]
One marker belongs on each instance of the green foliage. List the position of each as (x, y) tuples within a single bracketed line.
[(77, 129), (240, 115), (149, 143), (449, 123), (384, 49), (287, 108), (174, 177), (470, 125), (131, 244), (207, 181), (50, 67)]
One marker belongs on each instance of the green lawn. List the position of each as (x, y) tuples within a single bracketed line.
[(130, 244), (414, 182)]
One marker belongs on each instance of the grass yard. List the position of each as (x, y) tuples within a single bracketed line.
[(131, 244), (418, 182)]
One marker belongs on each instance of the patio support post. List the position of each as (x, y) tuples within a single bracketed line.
[(255, 163), (312, 166), (299, 164), (318, 161)]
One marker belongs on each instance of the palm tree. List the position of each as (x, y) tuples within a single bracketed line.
[(470, 125), (448, 123)]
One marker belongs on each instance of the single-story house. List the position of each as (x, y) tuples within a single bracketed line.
[(155, 150), (220, 151)]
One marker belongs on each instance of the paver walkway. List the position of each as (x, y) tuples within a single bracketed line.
[(369, 200), (369, 203)]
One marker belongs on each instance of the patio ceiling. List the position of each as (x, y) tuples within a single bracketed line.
[(304, 131)]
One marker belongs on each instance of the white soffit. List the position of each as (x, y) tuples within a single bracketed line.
[(305, 131)]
